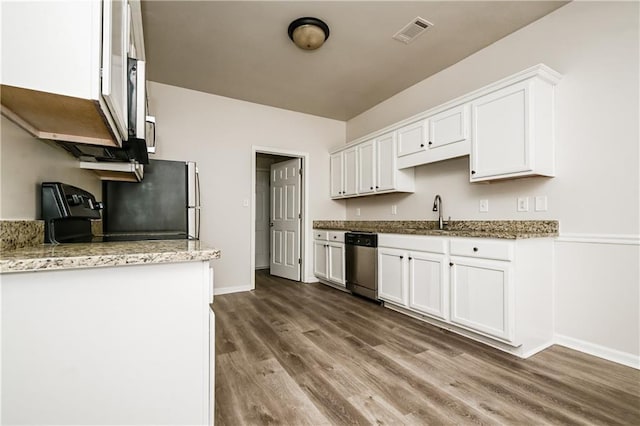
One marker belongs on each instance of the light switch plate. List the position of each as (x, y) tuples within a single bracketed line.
[(358, 211), (523, 204), (484, 205), (541, 203), (394, 209)]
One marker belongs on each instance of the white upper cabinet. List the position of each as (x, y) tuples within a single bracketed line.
[(512, 132), (72, 83), (350, 172), (369, 168), (449, 127), (507, 128), (447, 136), (412, 138), (386, 162), (343, 174), (115, 45), (336, 163)]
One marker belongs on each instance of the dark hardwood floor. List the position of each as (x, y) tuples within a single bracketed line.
[(296, 354)]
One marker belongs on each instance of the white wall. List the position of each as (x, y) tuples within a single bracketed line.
[(218, 133), (25, 163), (596, 192)]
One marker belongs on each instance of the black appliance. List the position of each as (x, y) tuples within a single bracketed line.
[(141, 137), (132, 150), (361, 263), (67, 212), (164, 205)]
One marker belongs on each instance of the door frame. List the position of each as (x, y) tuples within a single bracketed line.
[(304, 206)]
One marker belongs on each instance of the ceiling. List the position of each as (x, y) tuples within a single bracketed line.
[(241, 49)]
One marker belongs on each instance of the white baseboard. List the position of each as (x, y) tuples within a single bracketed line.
[(233, 289), (609, 354), (311, 279)]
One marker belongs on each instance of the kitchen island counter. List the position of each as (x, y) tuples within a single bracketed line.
[(92, 255)]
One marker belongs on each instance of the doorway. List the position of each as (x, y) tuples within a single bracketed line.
[(279, 218)]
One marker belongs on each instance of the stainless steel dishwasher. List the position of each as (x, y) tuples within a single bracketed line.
[(361, 258)]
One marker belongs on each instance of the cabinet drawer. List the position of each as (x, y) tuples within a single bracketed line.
[(413, 242), (320, 235), (336, 236), (484, 249)]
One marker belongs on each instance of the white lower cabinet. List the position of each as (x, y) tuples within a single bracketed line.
[(498, 292), (320, 259), (481, 296), (335, 267), (428, 284), (143, 355), (391, 275), (328, 257)]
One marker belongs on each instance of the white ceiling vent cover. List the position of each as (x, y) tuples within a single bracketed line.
[(412, 30)]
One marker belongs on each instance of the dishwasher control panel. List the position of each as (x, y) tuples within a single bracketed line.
[(361, 239)]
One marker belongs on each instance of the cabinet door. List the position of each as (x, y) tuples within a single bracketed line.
[(367, 170), (336, 174), (501, 132), (350, 172), (412, 138), (320, 259), (481, 296), (386, 162), (449, 127), (115, 44), (428, 284), (335, 271), (391, 276)]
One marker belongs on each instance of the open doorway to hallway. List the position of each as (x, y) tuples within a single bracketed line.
[(279, 212)]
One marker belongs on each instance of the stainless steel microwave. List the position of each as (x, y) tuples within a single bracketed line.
[(141, 125)]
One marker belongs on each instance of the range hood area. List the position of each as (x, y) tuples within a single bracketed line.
[(85, 89)]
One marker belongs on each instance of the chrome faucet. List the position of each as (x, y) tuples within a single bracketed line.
[(437, 207)]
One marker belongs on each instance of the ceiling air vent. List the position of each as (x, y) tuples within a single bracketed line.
[(412, 30)]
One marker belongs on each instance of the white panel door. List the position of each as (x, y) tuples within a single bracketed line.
[(481, 296), (336, 263), (449, 126), (337, 173), (500, 132), (391, 276), (320, 261), (262, 219), (285, 219), (412, 138), (115, 44), (367, 169), (386, 162), (428, 284), (350, 172)]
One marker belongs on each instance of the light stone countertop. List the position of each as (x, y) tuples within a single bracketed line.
[(503, 229), (47, 257)]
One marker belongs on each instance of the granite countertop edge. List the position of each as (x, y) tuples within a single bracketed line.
[(465, 229), (47, 257)]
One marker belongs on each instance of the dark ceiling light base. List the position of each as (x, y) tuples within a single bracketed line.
[(308, 33)]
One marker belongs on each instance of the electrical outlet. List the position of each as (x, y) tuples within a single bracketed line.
[(358, 211), (484, 205), (523, 204), (394, 209), (245, 202), (541, 203)]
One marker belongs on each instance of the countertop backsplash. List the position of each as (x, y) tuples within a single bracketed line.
[(20, 233)]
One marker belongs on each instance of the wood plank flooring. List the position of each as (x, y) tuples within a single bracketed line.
[(306, 354)]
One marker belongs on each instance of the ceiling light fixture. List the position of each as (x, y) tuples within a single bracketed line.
[(308, 33)]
